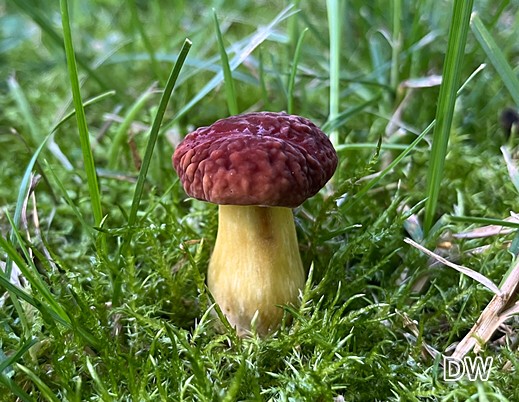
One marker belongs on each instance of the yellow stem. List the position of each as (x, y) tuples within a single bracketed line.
[(255, 266)]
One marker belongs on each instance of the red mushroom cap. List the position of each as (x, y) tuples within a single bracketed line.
[(262, 158)]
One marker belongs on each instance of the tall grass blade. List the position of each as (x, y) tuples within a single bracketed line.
[(146, 161), (154, 132), (88, 158), (496, 57), (293, 72), (230, 92), (334, 30), (459, 26)]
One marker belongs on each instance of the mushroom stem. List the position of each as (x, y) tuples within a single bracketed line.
[(255, 266)]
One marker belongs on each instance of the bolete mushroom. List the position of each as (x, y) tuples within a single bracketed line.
[(257, 167)]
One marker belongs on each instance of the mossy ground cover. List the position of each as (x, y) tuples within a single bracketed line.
[(108, 298)]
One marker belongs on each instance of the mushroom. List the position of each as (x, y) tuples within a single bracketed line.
[(257, 167)]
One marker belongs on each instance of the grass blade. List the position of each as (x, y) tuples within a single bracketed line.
[(230, 92), (481, 279), (484, 221), (293, 72), (21, 294), (364, 189), (44, 388), (256, 40), (513, 172), (341, 118), (89, 102), (145, 40), (27, 344), (22, 194), (105, 395), (170, 84), (79, 216), (15, 388), (154, 132), (396, 43), (122, 131), (496, 57), (47, 27), (43, 309), (31, 274), (25, 110), (334, 30), (88, 158), (447, 98)]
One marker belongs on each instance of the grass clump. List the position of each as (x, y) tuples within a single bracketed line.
[(103, 258)]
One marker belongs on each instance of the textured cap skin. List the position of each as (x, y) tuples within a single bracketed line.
[(264, 158)]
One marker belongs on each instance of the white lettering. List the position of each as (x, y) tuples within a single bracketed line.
[(475, 368)]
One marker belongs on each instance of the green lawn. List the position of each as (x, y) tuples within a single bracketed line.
[(108, 256)]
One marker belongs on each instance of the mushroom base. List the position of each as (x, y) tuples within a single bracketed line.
[(255, 266)]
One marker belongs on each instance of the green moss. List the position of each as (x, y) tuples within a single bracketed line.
[(141, 321)]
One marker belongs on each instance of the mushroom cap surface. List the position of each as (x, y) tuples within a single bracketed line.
[(263, 158)]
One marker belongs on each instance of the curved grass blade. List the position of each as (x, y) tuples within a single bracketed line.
[(481, 279), (170, 84), (98, 384), (333, 124), (22, 194), (88, 102)]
